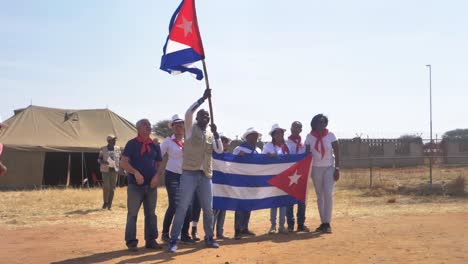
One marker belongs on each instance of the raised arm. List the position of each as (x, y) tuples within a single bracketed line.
[(189, 114)]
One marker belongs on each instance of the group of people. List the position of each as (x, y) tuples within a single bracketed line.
[(187, 156)]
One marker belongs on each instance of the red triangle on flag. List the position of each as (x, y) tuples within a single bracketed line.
[(294, 179)]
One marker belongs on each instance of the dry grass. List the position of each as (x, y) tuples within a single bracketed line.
[(82, 206)]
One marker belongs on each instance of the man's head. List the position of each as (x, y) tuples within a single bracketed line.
[(203, 118), (296, 128), (226, 141), (177, 125), (252, 138), (144, 128), (111, 139)]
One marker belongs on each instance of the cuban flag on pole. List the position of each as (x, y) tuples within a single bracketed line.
[(256, 181), (183, 45)]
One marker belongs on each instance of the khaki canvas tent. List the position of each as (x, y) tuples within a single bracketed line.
[(47, 146)]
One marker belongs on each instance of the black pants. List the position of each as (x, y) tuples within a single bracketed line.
[(196, 208), (241, 220), (301, 208), (172, 186)]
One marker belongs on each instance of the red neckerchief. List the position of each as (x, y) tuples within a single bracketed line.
[(145, 147), (284, 148), (320, 141), (179, 143), (297, 142)]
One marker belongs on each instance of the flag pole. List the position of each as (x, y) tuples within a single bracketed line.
[(207, 83)]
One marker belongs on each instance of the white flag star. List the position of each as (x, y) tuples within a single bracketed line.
[(294, 178), (186, 26)]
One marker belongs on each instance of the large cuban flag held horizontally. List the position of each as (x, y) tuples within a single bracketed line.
[(183, 45), (256, 181)]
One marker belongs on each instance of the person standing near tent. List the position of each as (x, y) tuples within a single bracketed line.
[(140, 159), (197, 170), (325, 167), (109, 159), (249, 146), (3, 168), (296, 146), (172, 149), (273, 149)]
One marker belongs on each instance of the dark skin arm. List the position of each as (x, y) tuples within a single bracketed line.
[(336, 151)]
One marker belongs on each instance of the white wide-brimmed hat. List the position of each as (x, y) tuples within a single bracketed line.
[(249, 131), (221, 135), (175, 119), (276, 127)]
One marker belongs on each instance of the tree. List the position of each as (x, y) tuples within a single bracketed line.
[(162, 129), (458, 133), (410, 138)]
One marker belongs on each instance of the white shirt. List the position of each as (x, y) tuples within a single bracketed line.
[(272, 149), (292, 147), (175, 154), (328, 158), (238, 149)]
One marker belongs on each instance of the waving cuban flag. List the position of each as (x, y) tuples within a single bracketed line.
[(256, 181), (183, 45)]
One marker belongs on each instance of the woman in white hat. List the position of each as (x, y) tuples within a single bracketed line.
[(325, 167), (274, 148), (173, 147), (248, 147)]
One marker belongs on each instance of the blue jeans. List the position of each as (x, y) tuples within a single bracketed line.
[(282, 216), (301, 208), (241, 220), (136, 195), (172, 181), (191, 182)]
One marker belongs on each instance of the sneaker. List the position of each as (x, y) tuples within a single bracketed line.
[(303, 228), (165, 237), (237, 235), (221, 237), (327, 229), (132, 248), (172, 246), (187, 240), (272, 230), (194, 234), (247, 232), (210, 242), (320, 228), (290, 229), (152, 245), (282, 230)]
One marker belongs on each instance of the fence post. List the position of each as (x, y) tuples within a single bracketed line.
[(370, 173)]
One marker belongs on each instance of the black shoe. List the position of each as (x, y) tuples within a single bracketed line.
[(290, 229), (187, 240), (165, 237), (221, 237), (237, 235), (104, 206), (320, 228), (303, 228), (211, 243), (132, 247), (327, 228), (152, 245), (194, 234), (247, 232)]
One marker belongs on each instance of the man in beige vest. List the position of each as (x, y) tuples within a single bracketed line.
[(109, 158), (197, 171)]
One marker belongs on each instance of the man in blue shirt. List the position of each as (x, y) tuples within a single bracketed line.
[(140, 159)]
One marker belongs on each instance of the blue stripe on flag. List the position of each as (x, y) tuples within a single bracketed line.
[(261, 159), (174, 61), (241, 180), (223, 203)]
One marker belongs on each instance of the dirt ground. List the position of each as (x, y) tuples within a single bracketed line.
[(407, 238)]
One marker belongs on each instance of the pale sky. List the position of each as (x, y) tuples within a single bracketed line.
[(360, 62)]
